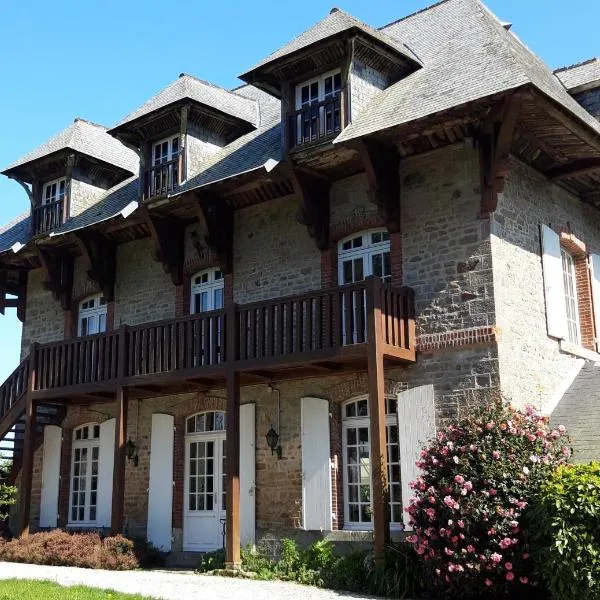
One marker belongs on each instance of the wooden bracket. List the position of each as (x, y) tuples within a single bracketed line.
[(495, 139), (382, 168), (58, 271), (101, 254), (168, 238), (314, 194), (216, 223)]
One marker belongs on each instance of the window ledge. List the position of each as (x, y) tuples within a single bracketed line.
[(577, 350)]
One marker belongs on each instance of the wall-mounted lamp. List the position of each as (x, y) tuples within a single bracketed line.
[(130, 452), (273, 442)]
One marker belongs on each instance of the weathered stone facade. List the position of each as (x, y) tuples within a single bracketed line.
[(365, 83), (201, 145), (83, 193)]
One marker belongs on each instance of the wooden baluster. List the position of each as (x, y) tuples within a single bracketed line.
[(349, 305), (189, 345)]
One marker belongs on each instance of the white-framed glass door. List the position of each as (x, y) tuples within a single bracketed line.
[(207, 294), (92, 316), (85, 468), (205, 482), (165, 151)]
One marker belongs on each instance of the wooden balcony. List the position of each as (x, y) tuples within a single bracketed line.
[(46, 217), (318, 333), (316, 122), (161, 180)]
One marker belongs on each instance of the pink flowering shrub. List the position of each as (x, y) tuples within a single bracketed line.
[(478, 477)]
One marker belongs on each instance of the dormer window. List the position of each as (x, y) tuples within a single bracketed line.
[(163, 176), (50, 213), (318, 114)]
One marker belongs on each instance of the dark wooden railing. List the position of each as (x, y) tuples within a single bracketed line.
[(14, 387), (300, 328), (161, 179), (46, 217), (316, 121)]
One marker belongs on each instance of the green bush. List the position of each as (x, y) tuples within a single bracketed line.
[(565, 532), (209, 561)]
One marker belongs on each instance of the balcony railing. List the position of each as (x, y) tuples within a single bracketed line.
[(161, 179), (320, 325), (316, 122), (46, 217)]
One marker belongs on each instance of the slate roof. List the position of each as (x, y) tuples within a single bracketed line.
[(18, 230), (189, 87), (87, 138), (336, 22), (467, 54), (580, 74), (579, 410)]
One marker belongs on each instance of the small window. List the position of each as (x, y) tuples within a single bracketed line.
[(165, 150), (206, 422), (92, 316), (365, 254), (207, 292), (54, 191), (570, 285)]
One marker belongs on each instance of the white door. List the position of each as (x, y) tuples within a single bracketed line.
[(204, 491)]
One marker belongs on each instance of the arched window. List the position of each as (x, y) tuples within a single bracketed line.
[(92, 315), (83, 505), (207, 291), (356, 430), (363, 254)]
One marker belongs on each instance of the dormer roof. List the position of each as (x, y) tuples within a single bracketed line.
[(336, 24), (83, 137), (581, 76), (189, 88)]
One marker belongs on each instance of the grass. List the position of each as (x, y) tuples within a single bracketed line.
[(20, 589)]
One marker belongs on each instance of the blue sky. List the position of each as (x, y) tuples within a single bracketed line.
[(99, 60)]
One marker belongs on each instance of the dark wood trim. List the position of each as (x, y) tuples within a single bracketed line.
[(102, 260), (118, 491), (58, 272), (574, 169)]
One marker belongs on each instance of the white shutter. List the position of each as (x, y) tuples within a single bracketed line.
[(50, 476), (160, 491), (316, 469), (416, 426), (595, 264), (554, 287), (105, 472), (247, 474)]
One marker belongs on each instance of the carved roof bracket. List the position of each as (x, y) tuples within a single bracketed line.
[(168, 239), (313, 191), (101, 254), (58, 272), (495, 139), (382, 168), (216, 223), (17, 289)]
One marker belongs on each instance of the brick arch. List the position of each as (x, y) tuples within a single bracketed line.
[(198, 403)]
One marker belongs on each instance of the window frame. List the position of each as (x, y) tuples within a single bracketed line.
[(101, 309), (391, 420), (320, 80), (571, 300), (366, 251), (210, 287), (171, 155), (89, 443), (57, 198)]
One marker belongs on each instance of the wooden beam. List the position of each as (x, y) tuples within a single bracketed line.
[(168, 236), (379, 468), (578, 167), (554, 153), (118, 491), (495, 140), (101, 255), (232, 543), (382, 168), (314, 194), (58, 272)]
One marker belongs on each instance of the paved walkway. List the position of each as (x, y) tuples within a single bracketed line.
[(171, 585)]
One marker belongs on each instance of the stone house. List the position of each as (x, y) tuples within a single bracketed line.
[(243, 310)]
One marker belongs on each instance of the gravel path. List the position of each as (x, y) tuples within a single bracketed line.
[(171, 585)]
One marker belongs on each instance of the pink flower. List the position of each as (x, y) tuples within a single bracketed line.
[(505, 543), (461, 524), (470, 549), (488, 582), (510, 576), (523, 579), (525, 555), (496, 558), (493, 492), (456, 459), (459, 479), (495, 455), (508, 566), (468, 486), (562, 428), (490, 425)]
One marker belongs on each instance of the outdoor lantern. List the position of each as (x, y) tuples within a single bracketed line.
[(130, 452), (273, 442)]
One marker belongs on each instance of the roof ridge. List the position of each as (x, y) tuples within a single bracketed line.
[(413, 14), (575, 65), (205, 82), (93, 123)]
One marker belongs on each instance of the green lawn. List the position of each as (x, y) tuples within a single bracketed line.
[(20, 589)]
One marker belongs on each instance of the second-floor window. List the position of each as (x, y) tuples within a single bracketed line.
[(54, 191), (570, 287), (164, 175), (92, 316), (364, 254), (207, 291), (318, 108)]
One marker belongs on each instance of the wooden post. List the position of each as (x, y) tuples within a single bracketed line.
[(232, 541), (118, 492), (29, 442), (379, 467)]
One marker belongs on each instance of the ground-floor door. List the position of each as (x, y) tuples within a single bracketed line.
[(204, 491)]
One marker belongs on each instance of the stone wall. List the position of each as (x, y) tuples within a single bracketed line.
[(44, 321), (532, 366), (83, 194), (365, 84), (273, 255), (143, 291), (201, 145)]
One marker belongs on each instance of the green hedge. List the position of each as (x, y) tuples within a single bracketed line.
[(565, 530)]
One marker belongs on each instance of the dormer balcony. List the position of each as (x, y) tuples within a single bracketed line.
[(47, 217), (161, 179)]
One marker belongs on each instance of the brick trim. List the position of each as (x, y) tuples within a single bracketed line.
[(463, 337)]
